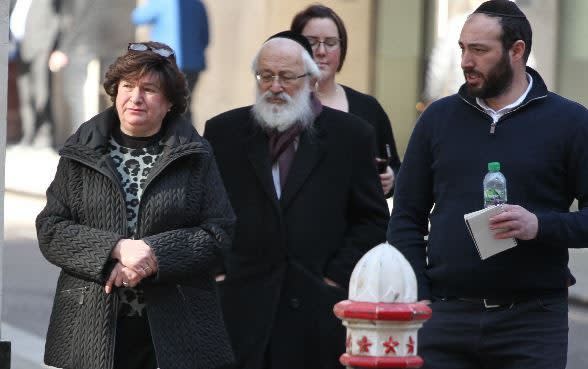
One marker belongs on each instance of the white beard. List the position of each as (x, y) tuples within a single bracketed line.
[(280, 117)]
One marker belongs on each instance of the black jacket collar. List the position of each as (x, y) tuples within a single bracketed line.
[(538, 90), (90, 142)]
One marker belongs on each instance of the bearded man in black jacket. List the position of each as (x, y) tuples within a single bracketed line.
[(303, 183), (510, 310)]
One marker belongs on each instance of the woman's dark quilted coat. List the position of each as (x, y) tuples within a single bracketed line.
[(184, 216)]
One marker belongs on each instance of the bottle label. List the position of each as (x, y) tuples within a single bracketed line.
[(493, 196)]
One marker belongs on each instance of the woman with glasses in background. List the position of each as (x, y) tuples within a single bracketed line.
[(327, 35), (137, 219)]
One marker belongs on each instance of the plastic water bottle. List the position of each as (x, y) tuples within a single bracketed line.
[(494, 186)]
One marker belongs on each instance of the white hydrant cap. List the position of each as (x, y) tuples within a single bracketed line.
[(383, 275)]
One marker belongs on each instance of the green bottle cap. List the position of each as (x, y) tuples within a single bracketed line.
[(494, 166)]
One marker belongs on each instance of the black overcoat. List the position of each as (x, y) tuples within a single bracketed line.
[(184, 216), (276, 304)]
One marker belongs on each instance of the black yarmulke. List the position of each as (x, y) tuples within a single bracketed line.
[(294, 37), (500, 8)]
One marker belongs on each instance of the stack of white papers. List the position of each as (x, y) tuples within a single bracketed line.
[(478, 224)]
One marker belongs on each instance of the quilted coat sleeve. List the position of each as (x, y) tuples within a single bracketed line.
[(77, 249), (183, 253)]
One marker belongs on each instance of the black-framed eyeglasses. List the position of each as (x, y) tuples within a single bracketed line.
[(135, 46), (284, 79), (330, 43)]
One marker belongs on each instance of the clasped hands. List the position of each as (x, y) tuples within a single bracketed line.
[(136, 261)]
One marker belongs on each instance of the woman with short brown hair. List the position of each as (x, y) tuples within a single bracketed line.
[(137, 219), (327, 35)]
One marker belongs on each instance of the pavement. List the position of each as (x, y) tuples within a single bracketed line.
[(30, 170)]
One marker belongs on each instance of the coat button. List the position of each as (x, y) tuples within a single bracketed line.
[(294, 303)]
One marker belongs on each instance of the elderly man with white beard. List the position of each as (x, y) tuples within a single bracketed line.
[(303, 183)]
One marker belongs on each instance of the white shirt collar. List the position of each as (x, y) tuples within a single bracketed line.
[(497, 114)]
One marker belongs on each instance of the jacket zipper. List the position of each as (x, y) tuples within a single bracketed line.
[(492, 127), (82, 291), (81, 301), (494, 124)]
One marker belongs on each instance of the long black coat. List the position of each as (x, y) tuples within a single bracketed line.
[(332, 210), (184, 216)]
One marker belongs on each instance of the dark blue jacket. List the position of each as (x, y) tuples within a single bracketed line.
[(543, 151), (181, 24)]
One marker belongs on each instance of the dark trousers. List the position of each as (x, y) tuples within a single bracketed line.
[(467, 335), (133, 346)]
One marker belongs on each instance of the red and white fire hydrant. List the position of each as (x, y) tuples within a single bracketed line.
[(382, 316)]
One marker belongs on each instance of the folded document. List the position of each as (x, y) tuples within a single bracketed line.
[(478, 224)]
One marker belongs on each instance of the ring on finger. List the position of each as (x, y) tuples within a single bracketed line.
[(126, 284)]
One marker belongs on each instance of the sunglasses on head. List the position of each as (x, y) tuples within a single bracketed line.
[(166, 53)]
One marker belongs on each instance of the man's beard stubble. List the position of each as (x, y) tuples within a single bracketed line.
[(297, 109), (496, 81)]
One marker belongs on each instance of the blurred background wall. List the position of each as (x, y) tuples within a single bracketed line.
[(390, 50)]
